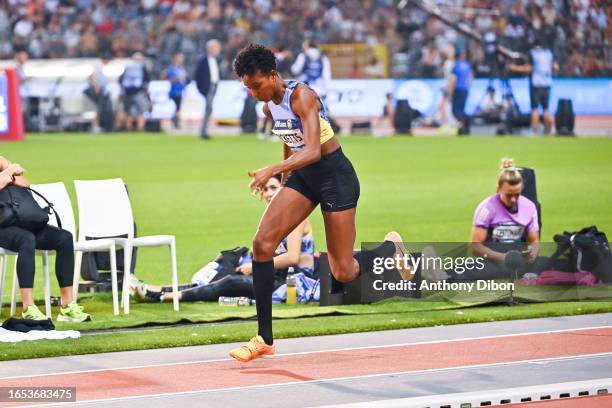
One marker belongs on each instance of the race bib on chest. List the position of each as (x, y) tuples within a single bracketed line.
[(508, 233), (288, 130)]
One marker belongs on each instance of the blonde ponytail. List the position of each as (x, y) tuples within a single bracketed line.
[(508, 173)]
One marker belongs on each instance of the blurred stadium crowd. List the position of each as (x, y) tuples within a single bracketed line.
[(578, 31)]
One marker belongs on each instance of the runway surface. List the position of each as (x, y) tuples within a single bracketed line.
[(413, 367)]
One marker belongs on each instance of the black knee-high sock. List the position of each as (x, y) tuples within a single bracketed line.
[(263, 283), (366, 258)]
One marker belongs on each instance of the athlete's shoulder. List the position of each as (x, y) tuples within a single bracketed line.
[(292, 85), (527, 203), (301, 91), (488, 205), (489, 201)]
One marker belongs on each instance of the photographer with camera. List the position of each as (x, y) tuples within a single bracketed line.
[(540, 69)]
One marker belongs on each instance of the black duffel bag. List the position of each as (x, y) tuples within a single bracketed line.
[(584, 250), (18, 208)]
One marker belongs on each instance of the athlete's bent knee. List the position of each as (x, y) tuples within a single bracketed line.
[(344, 271), (263, 247)]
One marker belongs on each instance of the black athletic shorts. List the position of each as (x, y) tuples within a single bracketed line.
[(539, 95), (331, 182)]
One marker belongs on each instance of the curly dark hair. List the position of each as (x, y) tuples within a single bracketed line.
[(254, 58)]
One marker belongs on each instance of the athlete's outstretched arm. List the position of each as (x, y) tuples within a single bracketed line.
[(306, 106)]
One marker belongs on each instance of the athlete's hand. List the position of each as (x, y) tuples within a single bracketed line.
[(245, 269), (15, 169), (260, 178), (4, 163), (5, 178)]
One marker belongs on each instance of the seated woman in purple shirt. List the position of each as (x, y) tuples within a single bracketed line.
[(504, 221), (505, 218)]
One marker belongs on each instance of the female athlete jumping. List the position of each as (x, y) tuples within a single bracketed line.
[(315, 171)]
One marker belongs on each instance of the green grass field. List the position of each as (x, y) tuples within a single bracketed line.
[(425, 188), (389, 317)]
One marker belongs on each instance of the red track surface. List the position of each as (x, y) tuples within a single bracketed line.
[(323, 365)]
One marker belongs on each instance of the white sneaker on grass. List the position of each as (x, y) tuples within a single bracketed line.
[(138, 288)]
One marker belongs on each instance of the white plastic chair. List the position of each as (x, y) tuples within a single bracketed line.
[(4, 254), (56, 194), (105, 211)]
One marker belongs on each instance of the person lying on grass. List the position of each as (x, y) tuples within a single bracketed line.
[(231, 273)]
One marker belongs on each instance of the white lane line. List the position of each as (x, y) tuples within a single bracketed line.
[(337, 379), (418, 343), (492, 397)]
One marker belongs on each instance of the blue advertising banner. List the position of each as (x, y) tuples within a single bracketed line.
[(589, 96), (367, 97)]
